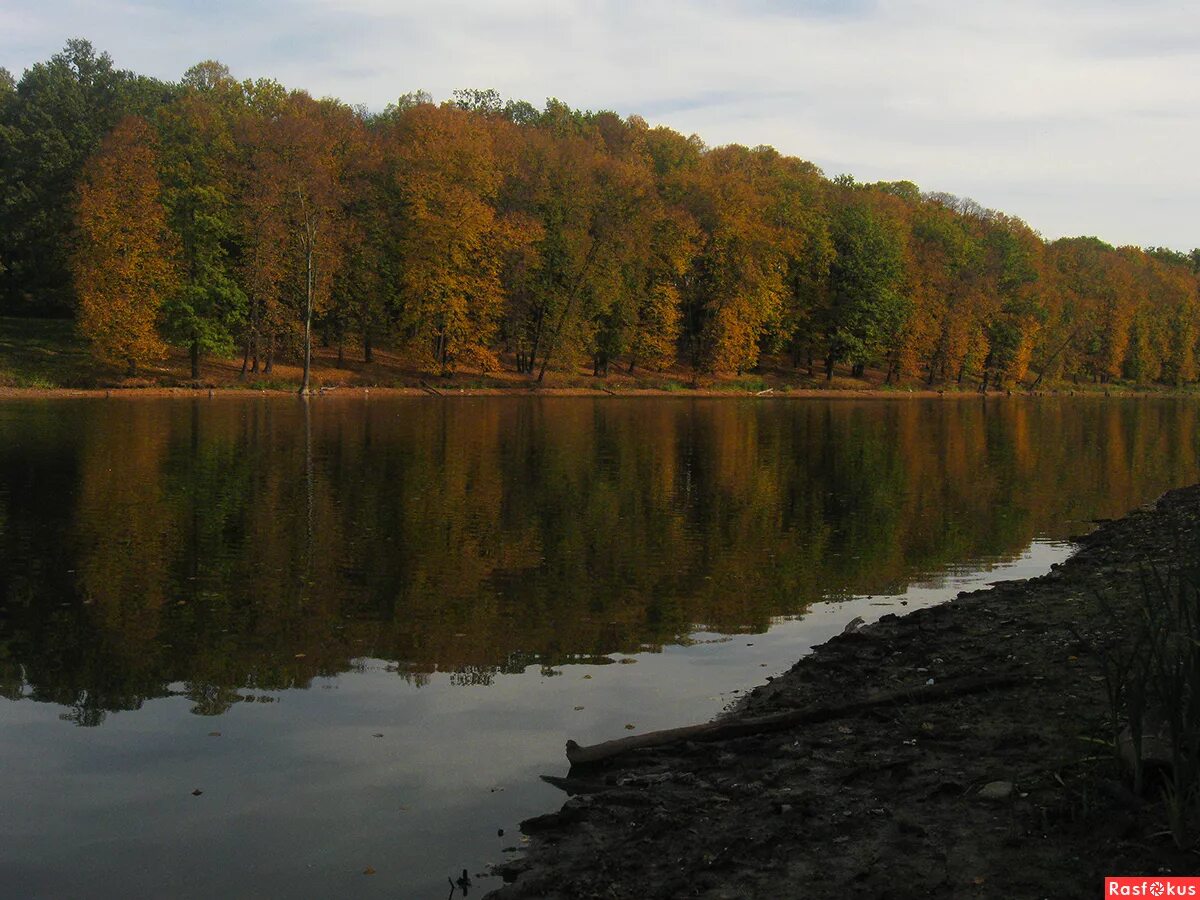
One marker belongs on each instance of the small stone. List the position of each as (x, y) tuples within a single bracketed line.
[(996, 790)]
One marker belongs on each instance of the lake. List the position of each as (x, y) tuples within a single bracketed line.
[(257, 646)]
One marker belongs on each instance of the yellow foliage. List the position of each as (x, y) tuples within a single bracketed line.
[(123, 265)]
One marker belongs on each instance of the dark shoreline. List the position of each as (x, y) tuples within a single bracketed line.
[(885, 801), (360, 391)]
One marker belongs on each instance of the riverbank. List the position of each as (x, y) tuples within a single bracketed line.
[(134, 393), (982, 773), (47, 358), (531, 389)]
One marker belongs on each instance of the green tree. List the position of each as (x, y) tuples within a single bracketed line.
[(198, 160), (868, 308), (50, 124)]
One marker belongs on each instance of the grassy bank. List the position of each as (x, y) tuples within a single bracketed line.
[(47, 355)]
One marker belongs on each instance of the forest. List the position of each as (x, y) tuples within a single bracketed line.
[(241, 219)]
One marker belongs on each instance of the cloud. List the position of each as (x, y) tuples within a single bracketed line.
[(1077, 116)]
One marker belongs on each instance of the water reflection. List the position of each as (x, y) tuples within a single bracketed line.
[(219, 549)]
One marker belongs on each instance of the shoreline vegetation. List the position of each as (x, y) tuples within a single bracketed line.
[(244, 228), (47, 358), (1022, 740)]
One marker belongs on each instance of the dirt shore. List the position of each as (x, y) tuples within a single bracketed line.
[(893, 800), (134, 393), (49, 359)]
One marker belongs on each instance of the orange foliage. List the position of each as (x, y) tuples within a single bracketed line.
[(124, 262)]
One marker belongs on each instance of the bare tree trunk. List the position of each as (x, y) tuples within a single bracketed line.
[(195, 350), (725, 729), (566, 311), (1053, 357), (537, 339), (310, 237)]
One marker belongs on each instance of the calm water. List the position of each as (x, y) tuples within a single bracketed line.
[(362, 627)]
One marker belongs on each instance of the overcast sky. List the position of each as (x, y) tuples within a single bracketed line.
[(1080, 117)]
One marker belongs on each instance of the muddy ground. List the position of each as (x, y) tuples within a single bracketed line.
[(891, 801)]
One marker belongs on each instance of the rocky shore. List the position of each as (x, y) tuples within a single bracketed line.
[(958, 751)]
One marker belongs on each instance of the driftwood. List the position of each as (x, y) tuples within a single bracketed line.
[(430, 390), (764, 393), (574, 786), (724, 729)]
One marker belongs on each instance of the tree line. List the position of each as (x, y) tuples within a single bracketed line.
[(239, 217)]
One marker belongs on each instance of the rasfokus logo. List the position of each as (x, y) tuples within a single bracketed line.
[(1151, 886)]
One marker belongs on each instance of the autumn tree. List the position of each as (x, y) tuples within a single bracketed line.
[(658, 280), (798, 213), (1097, 281), (736, 289), (450, 241), (364, 291), (124, 264), (944, 284), (261, 226), (1016, 271), (635, 296), (566, 193), (487, 228), (297, 161)]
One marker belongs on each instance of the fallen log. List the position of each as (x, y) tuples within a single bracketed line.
[(574, 786), (725, 729)]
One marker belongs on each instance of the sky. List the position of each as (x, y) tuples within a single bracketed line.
[(1078, 117)]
